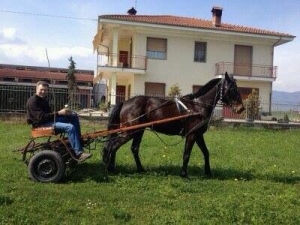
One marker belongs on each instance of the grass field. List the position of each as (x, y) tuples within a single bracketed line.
[(256, 180)]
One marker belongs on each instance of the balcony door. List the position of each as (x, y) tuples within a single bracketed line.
[(123, 58), (242, 60)]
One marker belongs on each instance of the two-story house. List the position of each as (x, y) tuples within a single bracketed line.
[(147, 54)]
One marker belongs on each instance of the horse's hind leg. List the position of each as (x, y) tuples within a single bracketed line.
[(135, 146), (113, 148), (201, 143)]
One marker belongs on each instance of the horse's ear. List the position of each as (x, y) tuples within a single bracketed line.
[(228, 77)]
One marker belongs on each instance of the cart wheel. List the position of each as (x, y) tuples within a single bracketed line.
[(46, 166)]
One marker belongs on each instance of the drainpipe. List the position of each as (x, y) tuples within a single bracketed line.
[(270, 105)]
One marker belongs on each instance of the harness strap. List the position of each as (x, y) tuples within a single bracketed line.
[(180, 105)]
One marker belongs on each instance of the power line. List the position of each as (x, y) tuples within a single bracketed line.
[(46, 15)]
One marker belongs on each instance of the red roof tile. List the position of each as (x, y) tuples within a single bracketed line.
[(191, 22)]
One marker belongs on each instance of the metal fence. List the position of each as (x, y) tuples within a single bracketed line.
[(13, 99)]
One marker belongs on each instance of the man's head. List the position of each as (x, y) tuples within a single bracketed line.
[(42, 89)]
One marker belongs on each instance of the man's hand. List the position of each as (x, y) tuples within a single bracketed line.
[(64, 112)]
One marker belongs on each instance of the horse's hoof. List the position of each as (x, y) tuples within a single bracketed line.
[(110, 169), (208, 174), (141, 170), (184, 175)]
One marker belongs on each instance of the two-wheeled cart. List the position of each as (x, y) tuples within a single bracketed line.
[(48, 154)]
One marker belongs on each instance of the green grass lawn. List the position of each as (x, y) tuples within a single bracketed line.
[(256, 180)]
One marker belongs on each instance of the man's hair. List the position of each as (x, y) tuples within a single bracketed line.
[(43, 83)]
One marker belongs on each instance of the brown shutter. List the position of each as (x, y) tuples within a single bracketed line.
[(156, 45)]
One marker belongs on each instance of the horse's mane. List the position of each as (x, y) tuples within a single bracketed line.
[(204, 89)]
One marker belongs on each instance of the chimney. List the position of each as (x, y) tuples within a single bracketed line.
[(216, 16), (132, 11)]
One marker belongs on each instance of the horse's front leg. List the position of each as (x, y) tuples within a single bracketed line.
[(201, 143), (135, 150), (189, 143)]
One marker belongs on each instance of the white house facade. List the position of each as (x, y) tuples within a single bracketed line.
[(147, 54)]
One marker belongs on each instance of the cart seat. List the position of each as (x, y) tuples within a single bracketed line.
[(42, 132)]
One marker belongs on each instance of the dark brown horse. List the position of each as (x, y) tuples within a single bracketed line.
[(144, 109)]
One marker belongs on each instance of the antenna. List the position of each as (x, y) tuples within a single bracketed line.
[(135, 4), (54, 102), (47, 57)]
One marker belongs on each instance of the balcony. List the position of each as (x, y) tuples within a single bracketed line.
[(122, 61), (247, 71)]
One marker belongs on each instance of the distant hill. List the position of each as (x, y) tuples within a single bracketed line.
[(285, 97)]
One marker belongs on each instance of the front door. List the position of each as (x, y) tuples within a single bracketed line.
[(120, 93)]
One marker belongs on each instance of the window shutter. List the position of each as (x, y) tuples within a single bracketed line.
[(156, 45)]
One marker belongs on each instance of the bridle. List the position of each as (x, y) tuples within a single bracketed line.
[(224, 100)]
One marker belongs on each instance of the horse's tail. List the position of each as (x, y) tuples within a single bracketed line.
[(114, 117), (113, 123)]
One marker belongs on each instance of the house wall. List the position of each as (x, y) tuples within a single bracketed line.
[(262, 54), (124, 45), (180, 68)]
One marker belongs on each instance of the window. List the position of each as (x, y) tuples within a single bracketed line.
[(200, 52), (63, 82), (155, 89), (10, 79), (26, 80), (82, 83), (156, 48)]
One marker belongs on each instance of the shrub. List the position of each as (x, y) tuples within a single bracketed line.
[(174, 91), (252, 105)]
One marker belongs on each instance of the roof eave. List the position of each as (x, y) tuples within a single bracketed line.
[(281, 37)]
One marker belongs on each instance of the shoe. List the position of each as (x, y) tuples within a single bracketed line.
[(84, 156)]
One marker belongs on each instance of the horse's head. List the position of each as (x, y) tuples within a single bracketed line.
[(230, 95)]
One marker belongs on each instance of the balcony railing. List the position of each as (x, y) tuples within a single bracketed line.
[(122, 61), (249, 70)]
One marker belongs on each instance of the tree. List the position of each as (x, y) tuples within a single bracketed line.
[(72, 86), (174, 91)]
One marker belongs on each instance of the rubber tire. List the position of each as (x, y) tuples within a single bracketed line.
[(47, 167)]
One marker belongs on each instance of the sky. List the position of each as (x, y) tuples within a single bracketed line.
[(66, 28)]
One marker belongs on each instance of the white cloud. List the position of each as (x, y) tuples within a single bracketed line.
[(38, 54), (9, 33)]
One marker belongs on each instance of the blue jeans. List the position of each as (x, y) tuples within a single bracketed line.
[(69, 124)]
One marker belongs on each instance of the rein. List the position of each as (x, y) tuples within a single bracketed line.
[(206, 121), (215, 102), (136, 118)]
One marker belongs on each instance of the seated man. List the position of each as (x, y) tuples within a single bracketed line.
[(39, 114)]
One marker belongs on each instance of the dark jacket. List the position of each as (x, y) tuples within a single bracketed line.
[(38, 111)]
